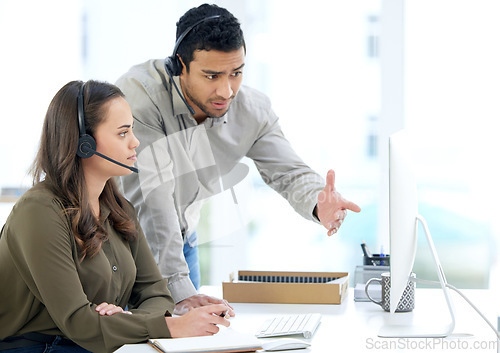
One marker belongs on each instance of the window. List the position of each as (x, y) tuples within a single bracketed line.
[(327, 79)]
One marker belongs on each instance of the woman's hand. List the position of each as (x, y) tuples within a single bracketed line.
[(200, 321), (110, 309)]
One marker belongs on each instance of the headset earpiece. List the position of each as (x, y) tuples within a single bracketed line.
[(173, 65), (86, 146)]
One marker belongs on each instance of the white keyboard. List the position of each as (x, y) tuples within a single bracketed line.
[(298, 324)]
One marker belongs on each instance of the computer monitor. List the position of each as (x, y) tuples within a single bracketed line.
[(403, 209), (403, 227)]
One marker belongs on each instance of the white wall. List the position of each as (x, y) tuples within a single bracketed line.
[(40, 44)]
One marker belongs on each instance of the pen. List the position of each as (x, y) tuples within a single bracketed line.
[(156, 346), (367, 253), (224, 313), (365, 249)]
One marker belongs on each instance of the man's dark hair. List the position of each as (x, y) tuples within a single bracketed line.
[(223, 33)]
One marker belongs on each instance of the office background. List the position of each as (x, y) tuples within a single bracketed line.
[(342, 76)]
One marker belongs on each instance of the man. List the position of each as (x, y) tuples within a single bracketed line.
[(195, 122)]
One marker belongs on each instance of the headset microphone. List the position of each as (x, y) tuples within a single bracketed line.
[(86, 149), (191, 110), (173, 66), (86, 143)]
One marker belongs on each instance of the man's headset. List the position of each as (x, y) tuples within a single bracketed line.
[(173, 65), (86, 143)]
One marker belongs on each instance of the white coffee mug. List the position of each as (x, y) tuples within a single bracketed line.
[(407, 301)]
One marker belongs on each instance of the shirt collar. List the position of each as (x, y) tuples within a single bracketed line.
[(104, 212), (213, 122)]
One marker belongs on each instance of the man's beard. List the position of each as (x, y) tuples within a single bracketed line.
[(204, 108)]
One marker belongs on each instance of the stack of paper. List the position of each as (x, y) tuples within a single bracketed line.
[(227, 340)]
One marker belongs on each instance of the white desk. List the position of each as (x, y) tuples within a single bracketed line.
[(353, 326)]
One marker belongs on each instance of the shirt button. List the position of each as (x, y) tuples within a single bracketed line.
[(115, 268)]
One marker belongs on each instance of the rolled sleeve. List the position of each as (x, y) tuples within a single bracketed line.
[(182, 287)]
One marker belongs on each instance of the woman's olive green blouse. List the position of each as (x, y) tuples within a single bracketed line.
[(45, 288)]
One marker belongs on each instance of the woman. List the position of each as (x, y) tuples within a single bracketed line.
[(72, 253)]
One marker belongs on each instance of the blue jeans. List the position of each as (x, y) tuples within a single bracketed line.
[(193, 259), (53, 347)]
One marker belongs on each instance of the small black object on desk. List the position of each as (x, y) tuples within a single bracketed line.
[(377, 260), (370, 259)]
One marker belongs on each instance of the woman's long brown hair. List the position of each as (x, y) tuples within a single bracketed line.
[(57, 163)]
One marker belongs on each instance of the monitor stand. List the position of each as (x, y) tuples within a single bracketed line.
[(415, 331)]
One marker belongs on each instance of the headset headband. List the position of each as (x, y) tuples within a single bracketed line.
[(81, 112), (189, 29)]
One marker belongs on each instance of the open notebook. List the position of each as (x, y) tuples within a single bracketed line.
[(227, 340)]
